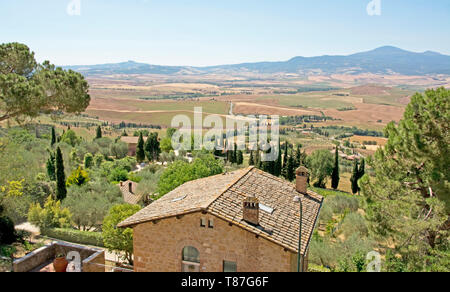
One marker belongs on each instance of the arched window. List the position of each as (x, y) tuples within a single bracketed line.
[(191, 254)]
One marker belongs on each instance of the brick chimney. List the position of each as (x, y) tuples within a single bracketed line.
[(302, 174), (251, 210)]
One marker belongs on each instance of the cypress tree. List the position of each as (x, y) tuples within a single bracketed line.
[(361, 171), (354, 178), (290, 168), (99, 133), (335, 175), (240, 157), (51, 171), (298, 156), (285, 154), (258, 161), (252, 159), (61, 190), (235, 154), (53, 136), (140, 153), (278, 164)]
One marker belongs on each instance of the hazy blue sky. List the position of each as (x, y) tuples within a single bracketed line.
[(209, 32)]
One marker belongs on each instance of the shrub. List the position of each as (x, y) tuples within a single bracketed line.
[(181, 172), (119, 239), (75, 236), (78, 177), (354, 223), (118, 175), (7, 232), (342, 203), (51, 216), (88, 160), (90, 203)]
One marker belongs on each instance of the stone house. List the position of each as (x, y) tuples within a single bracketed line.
[(244, 221), (132, 144)]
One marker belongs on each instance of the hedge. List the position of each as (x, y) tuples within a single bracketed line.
[(75, 236)]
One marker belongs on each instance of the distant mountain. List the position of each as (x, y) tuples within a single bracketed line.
[(384, 60)]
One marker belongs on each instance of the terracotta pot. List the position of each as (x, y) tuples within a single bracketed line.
[(60, 265)]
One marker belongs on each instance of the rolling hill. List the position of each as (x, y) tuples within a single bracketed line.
[(384, 60)]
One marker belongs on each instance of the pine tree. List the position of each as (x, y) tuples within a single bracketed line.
[(61, 191), (53, 137), (407, 195), (140, 152), (99, 133), (335, 175), (355, 177)]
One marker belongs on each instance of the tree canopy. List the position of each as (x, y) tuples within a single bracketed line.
[(28, 88), (408, 197)]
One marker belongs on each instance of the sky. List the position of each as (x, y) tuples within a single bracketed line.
[(216, 32)]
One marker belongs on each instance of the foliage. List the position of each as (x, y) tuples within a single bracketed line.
[(71, 138), (78, 177), (7, 232), (98, 133), (355, 177), (88, 160), (50, 165), (28, 88), (335, 174), (90, 203), (180, 172), (119, 149), (140, 153), (152, 147), (75, 236), (118, 175), (16, 207), (341, 255), (119, 239), (51, 216), (61, 190), (407, 200), (320, 164), (166, 145)]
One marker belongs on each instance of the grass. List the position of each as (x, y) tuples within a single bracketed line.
[(327, 192), (324, 100)]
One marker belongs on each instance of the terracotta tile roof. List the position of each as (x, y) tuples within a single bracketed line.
[(223, 196), (130, 197)]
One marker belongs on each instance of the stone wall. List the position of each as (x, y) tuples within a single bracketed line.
[(49, 252), (158, 247)]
